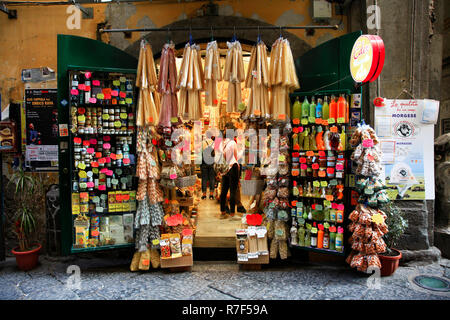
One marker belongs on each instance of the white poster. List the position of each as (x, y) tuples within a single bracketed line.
[(406, 132)]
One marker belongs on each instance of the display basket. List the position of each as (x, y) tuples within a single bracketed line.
[(252, 187), (187, 181)]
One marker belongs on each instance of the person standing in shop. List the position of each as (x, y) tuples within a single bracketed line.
[(207, 170), (231, 179)]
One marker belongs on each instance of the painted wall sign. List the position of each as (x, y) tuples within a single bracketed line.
[(367, 58)]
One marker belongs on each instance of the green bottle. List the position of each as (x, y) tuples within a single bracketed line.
[(325, 110), (305, 108), (312, 140), (312, 108), (301, 235), (308, 238), (306, 140), (296, 109), (332, 238)]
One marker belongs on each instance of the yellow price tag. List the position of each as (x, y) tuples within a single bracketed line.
[(128, 101), (155, 242), (117, 124), (100, 96), (316, 184), (377, 218), (105, 116), (304, 121), (81, 166), (123, 116), (81, 118), (116, 82), (323, 183), (82, 174)]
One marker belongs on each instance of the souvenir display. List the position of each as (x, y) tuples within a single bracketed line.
[(368, 221), (103, 185), (234, 74)]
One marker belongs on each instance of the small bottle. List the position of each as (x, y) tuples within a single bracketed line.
[(340, 216), (341, 107), (297, 109), (340, 239), (308, 238), (333, 215), (320, 237), (332, 238), (326, 239), (305, 108), (333, 108), (325, 110), (319, 108), (314, 236), (312, 108), (301, 235)]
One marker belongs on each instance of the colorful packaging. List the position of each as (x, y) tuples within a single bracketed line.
[(75, 203), (164, 244), (112, 201), (84, 202), (132, 200), (128, 227)]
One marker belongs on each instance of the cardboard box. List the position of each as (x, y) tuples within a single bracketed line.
[(183, 261)]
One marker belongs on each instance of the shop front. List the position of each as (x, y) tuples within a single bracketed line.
[(144, 161)]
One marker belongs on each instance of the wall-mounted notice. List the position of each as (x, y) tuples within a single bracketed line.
[(41, 129), (407, 145)]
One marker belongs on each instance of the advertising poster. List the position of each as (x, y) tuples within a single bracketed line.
[(407, 138), (41, 129)]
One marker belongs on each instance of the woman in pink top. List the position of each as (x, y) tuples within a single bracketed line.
[(231, 179)]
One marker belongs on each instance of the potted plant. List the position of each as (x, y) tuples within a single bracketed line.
[(25, 194), (397, 224)]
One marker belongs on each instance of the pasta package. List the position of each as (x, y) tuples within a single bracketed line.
[(164, 244), (175, 245)]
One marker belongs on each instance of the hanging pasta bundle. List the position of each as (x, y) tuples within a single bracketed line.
[(258, 81), (148, 104), (167, 86), (234, 74), (191, 83), (283, 77), (213, 74)]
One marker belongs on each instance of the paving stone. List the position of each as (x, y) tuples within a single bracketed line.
[(39, 284), (337, 290), (210, 294), (9, 291), (53, 293)]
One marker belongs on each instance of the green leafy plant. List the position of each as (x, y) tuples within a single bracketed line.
[(25, 194), (396, 223)]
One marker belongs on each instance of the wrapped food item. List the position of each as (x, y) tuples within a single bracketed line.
[(164, 244), (213, 72), (187, 242), (234, 73), (175, 245)]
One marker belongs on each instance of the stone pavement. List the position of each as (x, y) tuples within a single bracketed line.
[(110, 280)]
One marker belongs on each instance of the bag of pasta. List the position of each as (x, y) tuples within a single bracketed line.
[(175, 245)]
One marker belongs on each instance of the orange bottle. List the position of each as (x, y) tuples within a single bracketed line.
[(320, 237), (333, 108), (347, 110), (341, 107)]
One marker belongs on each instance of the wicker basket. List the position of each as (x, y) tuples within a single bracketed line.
[(187, 181), (252, 187)]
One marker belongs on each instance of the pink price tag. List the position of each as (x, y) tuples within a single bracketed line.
[(106, 146), (82, 86), (339, 167), (88, 75), (334, 205), (115, 93), (102, 161), (340, 207), (93, 141), (90, 184), (303, 166), (92, 100), (126, 161), (301, 129), (108, 160), (96, 83), (102, 187), (109, 173), (104, 170), (367, 143), (122, 94), (90, 150), (74, 92)]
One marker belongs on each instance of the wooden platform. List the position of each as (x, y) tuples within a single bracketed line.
[(211, 231)]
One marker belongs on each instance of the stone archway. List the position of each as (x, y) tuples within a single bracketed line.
[(248, 37)]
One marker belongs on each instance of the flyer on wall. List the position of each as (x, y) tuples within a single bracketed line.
[(406, 132), (41, 129)]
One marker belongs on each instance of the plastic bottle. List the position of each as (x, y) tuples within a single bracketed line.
[(319, 108), (320, 237), (343, 138), (340, 216), (305, 108), (333, 215), (347, 109), (340, 239), (297, 109), (341, 107), (314, 236), (326, 239), (325, 110), (312, 108), (333, 108), (332, 238)]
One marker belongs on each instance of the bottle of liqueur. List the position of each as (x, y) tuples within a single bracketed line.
[(312, 108), (333, 109), (332, 238), (297, 109), (305, 108), (340, 239), (326, 239), (87, 83), (341, 107), (314, 236), (320, 235), (325, 109), (319, 108)]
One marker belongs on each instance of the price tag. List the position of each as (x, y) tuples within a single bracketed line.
[(334, 129), (95, 169), (128, 101), (109, 173), (113, 156), (322, 174), (367, 143), (310, 153), (174, 119), (81, 118), (90, 184), (333, 182), (312, 119), (123, 116), (90, 150), (81, 166), (99, 210), (102, 187), (105, 116), (98, 154), (92, 100), (304, 121), (86, 143), (122, 79), (303, 166), (339, 167), (117, 124), (316, 183), (315, 166), (116, 83), (114, 181), (282, 117), (257, 112), (77, 140), (155, 242), (331, 121), (82, 174), (323, 184), (74, 92), (93, 141), (281, 157), (324, 122), (122, 94), (96, 83), (329, 197), (106, 146), (327, 203), (82, 86), (87, 88), (318, 121), (115, 93), (106, 138), (341, 120), (296, 121)]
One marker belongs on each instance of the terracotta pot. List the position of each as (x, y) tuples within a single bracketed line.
[(27, 260), (389, 263)]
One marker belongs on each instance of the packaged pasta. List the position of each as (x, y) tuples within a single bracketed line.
[(186, 244), (164, 244), (175, 245)]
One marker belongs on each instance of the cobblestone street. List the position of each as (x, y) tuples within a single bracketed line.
[(106, 280)]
